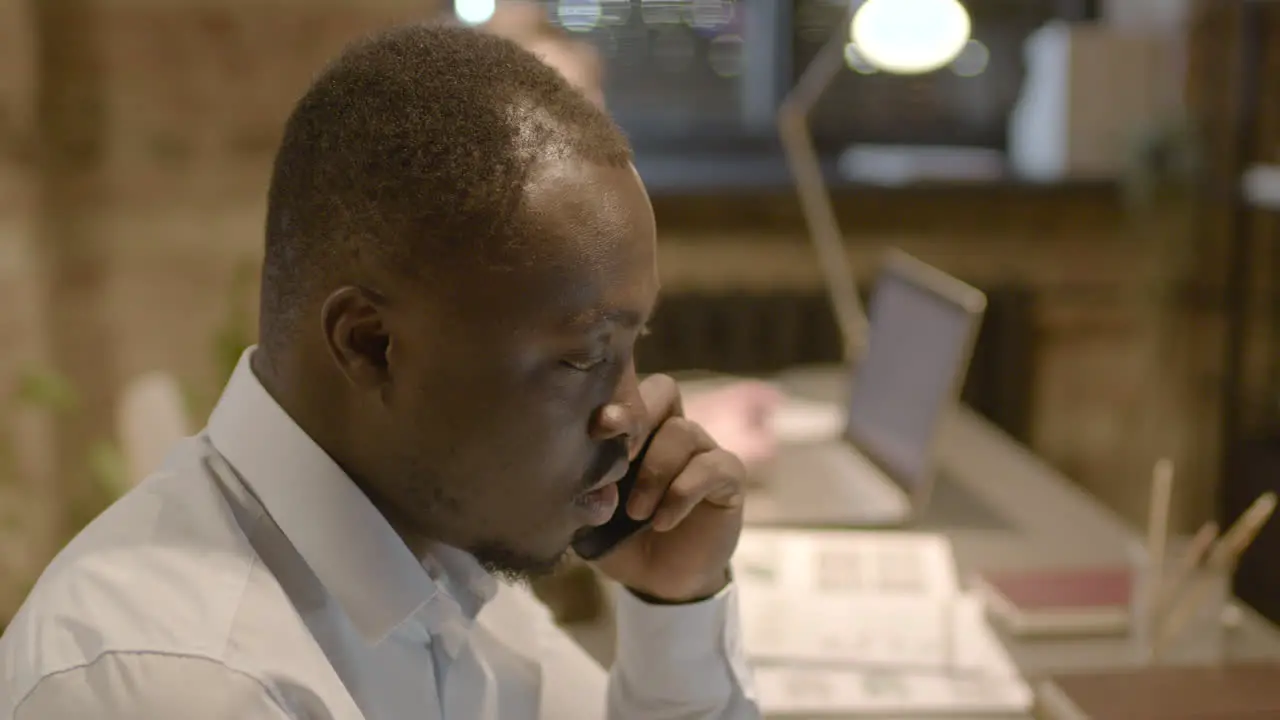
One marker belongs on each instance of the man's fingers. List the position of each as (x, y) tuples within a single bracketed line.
[(713, 477), (676, 442), (661, 396)]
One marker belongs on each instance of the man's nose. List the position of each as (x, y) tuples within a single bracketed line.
[(623, 416)]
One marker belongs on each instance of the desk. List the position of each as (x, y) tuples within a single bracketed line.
[(1047, 522), (1050, 522)]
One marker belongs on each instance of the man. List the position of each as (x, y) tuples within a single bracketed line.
[(459, 261)]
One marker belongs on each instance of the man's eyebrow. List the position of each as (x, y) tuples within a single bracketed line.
[(628, 319), (592, 318)]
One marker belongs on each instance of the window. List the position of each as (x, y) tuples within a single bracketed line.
[(966, 103), (682, 73), (696, 83)]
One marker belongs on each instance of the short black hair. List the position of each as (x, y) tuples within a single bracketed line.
[(412, 150)]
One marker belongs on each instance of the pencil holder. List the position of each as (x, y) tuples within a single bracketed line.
[(1178, 614)]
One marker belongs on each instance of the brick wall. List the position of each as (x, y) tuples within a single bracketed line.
[(155, 121)]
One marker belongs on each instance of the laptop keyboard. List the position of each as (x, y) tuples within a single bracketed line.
[(850, 479)]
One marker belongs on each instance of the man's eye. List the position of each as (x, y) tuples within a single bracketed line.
[(584, 364)]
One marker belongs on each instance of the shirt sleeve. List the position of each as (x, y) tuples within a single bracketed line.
[(680, 661), (150, 686)]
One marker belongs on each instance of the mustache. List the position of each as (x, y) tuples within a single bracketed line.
[(611, 452)]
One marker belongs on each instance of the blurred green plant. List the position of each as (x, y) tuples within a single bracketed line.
[(104, 468), (39, 389), (46, 389), (43, 389)]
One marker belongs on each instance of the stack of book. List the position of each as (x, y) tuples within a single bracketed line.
[(1066, 601)]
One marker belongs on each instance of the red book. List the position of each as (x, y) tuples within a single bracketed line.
[(1065, 601)]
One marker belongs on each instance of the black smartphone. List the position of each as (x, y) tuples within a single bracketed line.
[(597, 542)]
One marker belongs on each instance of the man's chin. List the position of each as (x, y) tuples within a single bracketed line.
[(516, 566)]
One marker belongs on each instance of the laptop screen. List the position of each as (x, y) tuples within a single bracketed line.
[(918, 342)]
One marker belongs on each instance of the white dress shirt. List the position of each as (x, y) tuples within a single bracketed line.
[(249, 579)]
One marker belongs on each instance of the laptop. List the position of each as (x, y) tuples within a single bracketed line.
[(880, 471)]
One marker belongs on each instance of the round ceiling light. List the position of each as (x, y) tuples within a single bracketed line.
[(474, 12), (910, 37)]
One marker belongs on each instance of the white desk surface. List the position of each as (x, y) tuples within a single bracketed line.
[(1045, 521)]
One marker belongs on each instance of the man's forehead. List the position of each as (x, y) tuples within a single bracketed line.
[(591, 244), (574, 211), (566, 194)]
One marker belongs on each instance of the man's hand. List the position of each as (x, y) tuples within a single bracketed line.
[(694, 491)]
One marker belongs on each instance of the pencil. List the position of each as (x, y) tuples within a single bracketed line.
[(1241, 533), (1157, 531)]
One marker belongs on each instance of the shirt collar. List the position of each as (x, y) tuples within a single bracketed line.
[(344, 539)]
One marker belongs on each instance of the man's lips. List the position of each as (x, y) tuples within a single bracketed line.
[(615, 474)]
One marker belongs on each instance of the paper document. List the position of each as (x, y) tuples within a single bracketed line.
[(893, 564), (866, 631), (872, 598), (867, 622), (993, 687)]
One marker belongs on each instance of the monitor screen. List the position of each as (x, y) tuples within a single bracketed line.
[(917, 348)]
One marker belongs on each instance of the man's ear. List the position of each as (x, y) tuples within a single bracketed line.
[(357, 335)]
